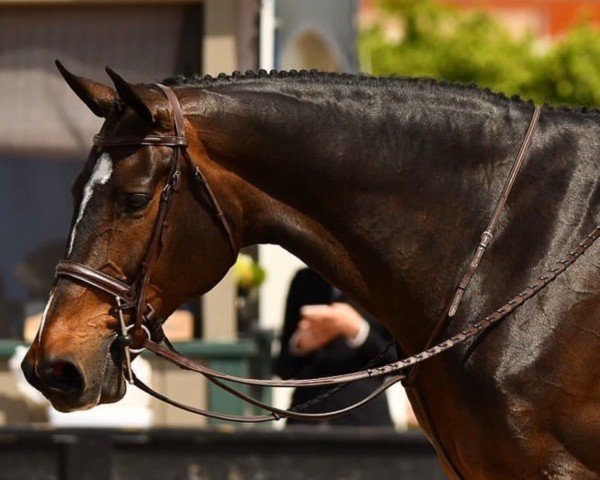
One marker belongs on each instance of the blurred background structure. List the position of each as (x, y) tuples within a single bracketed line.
[(546, 51)]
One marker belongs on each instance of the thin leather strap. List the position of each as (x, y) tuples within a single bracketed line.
[(137, 141), (488, 234), (155, 246), (96, 278), (198, 411), (296, 415), (176, 110), (486, 238), (171, 187), (275, 413), (218, 211)]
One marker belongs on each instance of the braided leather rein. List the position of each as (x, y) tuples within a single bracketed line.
[(476, 328), (133, 297)]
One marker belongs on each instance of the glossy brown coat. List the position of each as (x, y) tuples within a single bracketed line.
[(383, 186)]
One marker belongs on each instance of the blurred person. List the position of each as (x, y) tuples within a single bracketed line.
[(324, 334)]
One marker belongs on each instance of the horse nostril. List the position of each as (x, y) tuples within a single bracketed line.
[(62, 375), (28, 368)]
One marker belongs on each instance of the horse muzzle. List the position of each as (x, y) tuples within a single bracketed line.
[(69, 385)]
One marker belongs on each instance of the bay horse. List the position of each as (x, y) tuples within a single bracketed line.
[(383, 186)]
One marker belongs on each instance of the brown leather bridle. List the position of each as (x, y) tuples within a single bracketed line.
[(133, 297)]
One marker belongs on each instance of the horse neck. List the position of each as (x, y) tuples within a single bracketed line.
[(357, 196)]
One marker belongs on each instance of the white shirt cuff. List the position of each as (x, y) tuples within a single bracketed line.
[(361, 336)]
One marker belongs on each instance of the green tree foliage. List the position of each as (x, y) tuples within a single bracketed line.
[(570, 72), (445, 43)]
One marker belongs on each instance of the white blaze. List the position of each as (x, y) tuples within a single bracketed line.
[(100, 175), (43, 321)]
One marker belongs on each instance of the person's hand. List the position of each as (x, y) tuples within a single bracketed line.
[(321, 324)]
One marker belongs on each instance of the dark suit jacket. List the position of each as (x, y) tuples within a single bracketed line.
[(308, 288)]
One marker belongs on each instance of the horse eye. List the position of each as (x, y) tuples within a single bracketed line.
[(135, 201)]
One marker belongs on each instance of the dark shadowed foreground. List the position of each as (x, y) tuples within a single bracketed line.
[(356, 454)]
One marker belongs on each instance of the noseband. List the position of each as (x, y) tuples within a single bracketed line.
[(134, 297)]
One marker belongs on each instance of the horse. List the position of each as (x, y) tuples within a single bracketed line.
[(383, 186)]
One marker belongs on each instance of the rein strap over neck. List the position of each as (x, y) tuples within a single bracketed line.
[(488, 233), (473, 330)]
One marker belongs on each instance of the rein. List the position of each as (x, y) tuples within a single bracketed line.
[(133, 297)]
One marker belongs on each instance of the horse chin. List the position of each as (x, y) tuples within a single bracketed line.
[(67, 403), (65, 406), (112, 391), (114, 386)]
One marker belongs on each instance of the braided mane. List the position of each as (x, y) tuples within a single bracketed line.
[(308, 77)]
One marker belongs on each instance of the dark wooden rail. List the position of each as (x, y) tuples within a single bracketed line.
[(167, 454)]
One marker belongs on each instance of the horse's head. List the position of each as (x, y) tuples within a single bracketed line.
[(74, 360)]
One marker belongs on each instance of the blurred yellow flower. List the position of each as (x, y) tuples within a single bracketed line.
[(248, 273)]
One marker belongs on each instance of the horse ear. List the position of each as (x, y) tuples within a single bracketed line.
[(137, 97), (98, 97)]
